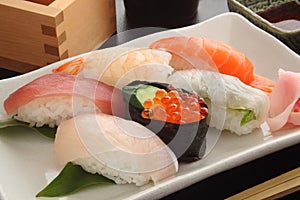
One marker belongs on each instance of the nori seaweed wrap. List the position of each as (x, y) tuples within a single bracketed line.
[(177, 116)]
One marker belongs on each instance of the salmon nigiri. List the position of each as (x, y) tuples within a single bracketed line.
[(53, 98), (186, 51)]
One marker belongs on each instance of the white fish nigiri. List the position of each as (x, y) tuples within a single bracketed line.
[(233, 105), (113, 64), (119, 149)]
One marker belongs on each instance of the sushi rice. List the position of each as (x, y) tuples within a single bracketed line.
[(93, 166), (53, 110)]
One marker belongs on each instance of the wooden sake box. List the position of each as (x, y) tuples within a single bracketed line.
[(35, 33)]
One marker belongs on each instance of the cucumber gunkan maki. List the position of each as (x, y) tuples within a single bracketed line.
[(177, 116)]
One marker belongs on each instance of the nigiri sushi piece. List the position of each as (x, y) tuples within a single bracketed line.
[(233, 105), (177, 116), (187, 51), (119, 149), (285, 101), (52, 98), (113, 64)]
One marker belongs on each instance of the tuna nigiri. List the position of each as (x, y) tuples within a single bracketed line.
[(119, 149), (113, 64), (227, 60), (52, 98)]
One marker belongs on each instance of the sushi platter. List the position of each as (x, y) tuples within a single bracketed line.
[(29, 161)]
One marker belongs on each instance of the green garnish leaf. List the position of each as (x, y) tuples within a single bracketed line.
[(71, 179), (248, 116), (44, 130)]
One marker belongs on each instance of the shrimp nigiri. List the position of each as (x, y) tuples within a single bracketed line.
[(112, 64), (227, 60)]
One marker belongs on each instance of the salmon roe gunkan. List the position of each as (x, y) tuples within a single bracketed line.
[(175, 106)]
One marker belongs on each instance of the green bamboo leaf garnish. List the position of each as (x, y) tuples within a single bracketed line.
[(72, 178), (44, 130)]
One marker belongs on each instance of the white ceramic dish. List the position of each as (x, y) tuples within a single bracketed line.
[(27, 159)]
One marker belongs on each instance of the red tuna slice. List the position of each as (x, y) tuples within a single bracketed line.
[(284, 101), (104, 96)]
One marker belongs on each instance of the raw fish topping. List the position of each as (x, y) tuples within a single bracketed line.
[(225, 58)]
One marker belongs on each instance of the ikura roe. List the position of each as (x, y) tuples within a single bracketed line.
[(178, 117), (175, 106)]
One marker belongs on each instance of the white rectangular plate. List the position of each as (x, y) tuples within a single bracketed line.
[(28, 162)]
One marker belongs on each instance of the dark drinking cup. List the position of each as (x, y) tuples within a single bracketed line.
[(161, 13)]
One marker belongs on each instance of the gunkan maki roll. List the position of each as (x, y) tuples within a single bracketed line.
[(177, 116)]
